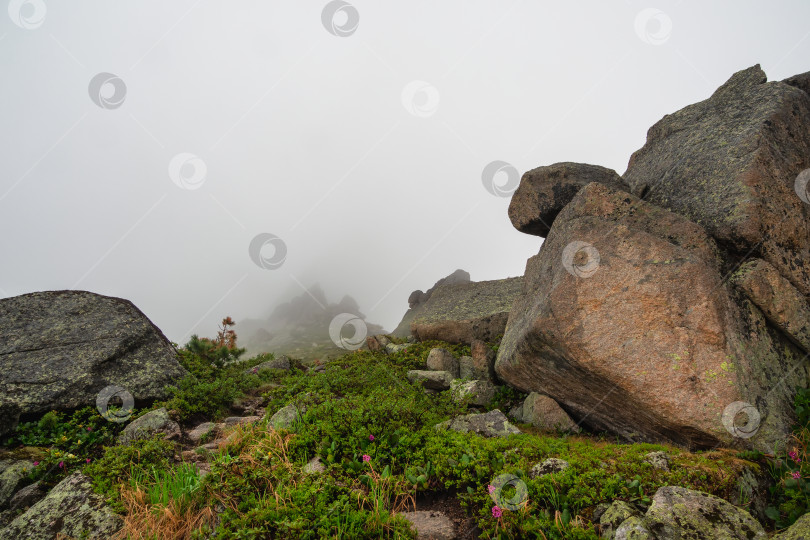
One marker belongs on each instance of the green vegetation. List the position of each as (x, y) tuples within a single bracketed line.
[(373, 431), (790, 493)]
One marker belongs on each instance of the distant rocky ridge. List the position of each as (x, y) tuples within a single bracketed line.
[(300, 327), (418, 299)]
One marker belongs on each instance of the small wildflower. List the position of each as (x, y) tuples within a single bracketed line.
[(61, 464), (87, 460), (366, 458), (796, 475), (496, 512), (371, 437), (36, 463), (89, 429), (491, 489), (70, 456), (794, 456)]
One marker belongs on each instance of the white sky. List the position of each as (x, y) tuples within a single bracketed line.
[(304, 135)]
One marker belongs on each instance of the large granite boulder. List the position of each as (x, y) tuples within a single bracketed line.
[(544, 191), (58, 349), (730, 163), (418, 299), (71, 509), (466, 311), (626, 321)]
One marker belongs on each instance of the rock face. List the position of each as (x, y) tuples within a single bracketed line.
[(70, 509), (463, 312), (783, 305), (628, 301), (58, 349), (13, 474), (798, 531), (730, 163), (417, 300), (544, 191)]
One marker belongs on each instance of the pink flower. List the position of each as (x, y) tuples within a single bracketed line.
[(371, 437), (61, 464), (36, 463), (796, 475), (88, 460), (491, 489), (366, 458), (794, 456), (89, 429), (496, 512)]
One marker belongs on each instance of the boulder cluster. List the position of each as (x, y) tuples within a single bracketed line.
[(670, 303)]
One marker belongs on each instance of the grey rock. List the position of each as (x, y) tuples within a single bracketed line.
[(729, 164), (12, 476), (200, 430), (544, 413), (150, 424), (282, 363), (614, 515), (490, 424), (393, 348), (314, 466), (26, 496), (633, 528), (71, 509), (544, 191), (466, 369), (483, 361), (440, 359), (549, 466), (431, 380), (678, 512), (285, 417), (659, 460), (59, 349), (240, 420), (482, 392)]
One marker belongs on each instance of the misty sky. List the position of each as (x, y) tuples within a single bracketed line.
[(361, 147)]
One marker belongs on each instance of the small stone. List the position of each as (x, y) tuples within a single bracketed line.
[(633, 529), (240, 420), (659, 460), (26, 497), (151, 423), (200, 431), (440, 359), (482, 392), (490, 424), (285, 417), (616, 514), (314, 466), (549, 466), (431, 380)]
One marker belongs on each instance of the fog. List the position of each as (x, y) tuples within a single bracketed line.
[(358, 140)]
